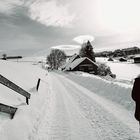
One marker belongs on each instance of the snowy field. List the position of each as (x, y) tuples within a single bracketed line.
[(27, 116), (68, 106), (123, 70)]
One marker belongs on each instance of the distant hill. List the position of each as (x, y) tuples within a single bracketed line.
[(119, 52)]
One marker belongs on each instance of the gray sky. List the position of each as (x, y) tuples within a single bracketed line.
[(33, 26)]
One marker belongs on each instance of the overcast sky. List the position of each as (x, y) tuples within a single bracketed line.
[(34, 26)]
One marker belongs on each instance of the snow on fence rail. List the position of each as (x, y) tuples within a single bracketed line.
[(15, 87), (8, 109)]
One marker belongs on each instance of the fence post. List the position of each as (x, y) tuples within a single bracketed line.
[(38, 84), (27, 101)]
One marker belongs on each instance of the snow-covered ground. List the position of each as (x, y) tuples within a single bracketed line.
[(27, 116), (68, 106), (126, 71), (123, 70), (117, 92), (77, 113)]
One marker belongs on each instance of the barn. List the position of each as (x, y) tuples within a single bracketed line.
[(82, 64), (137, 59)]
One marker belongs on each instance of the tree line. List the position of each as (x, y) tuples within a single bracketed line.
[(119, 52)]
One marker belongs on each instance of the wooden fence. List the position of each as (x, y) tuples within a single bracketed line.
[(9, 109), (15, 87)]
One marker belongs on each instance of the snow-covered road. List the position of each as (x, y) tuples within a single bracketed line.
[(75, 113)]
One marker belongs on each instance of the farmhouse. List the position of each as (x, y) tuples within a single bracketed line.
[(71, 59), (82, 64), (137, 59)]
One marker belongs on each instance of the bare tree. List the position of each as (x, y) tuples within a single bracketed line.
[(56, 58)]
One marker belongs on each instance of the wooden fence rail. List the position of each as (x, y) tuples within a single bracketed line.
[(8, 109), (15, 87)]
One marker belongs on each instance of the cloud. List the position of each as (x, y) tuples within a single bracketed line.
[(83, 38), (68, 49), (50, 13), (7, 6)]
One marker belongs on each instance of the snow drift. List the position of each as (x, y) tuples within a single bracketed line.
[(27, 117)]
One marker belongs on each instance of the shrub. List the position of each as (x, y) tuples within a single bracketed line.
[(104, 70), (113, 75)]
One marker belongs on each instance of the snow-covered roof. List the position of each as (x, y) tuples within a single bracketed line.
[(77, 62), (71, 59)]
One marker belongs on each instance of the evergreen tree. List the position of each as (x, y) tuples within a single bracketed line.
[(87, 51)]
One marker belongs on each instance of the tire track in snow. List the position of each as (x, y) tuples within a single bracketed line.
[(77, 125), (107, 119), (53, 125), (74, 113), (63, 119)]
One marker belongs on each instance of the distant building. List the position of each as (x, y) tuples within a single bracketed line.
[(122, 59), (14, 57), (110, 59), (11, 57), (82, 64), (137, 59)]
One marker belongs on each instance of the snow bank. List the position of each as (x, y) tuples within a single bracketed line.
[(27, 117), (117, 92)]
